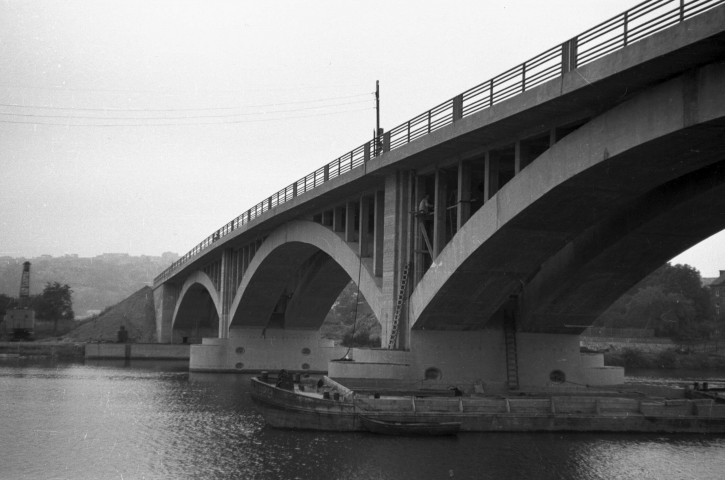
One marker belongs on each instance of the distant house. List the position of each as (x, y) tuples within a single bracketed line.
[(717, 295)]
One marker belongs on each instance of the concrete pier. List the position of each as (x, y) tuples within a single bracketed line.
[(137, 351)]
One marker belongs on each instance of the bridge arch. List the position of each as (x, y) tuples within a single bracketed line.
[(622, 177), (312, 257), (196, 313)]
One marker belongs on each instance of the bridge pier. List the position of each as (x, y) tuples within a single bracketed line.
[(227, 290), (257, 349), (165, 297), (479, 357), (395, 246)]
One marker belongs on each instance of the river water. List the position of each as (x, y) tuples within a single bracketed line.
[(154, 420)]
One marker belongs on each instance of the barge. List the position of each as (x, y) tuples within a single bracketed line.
[(330, 406)]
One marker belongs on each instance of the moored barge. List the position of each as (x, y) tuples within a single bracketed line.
[(330, 406)]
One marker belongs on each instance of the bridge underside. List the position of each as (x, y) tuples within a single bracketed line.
[(197, 316), (591, 217), (296, 277), (294, 288)]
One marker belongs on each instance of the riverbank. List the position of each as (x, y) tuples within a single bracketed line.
[(672, 359), (137, 351), (59, 350), (95, 351)]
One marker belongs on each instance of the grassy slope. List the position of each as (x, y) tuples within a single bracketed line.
[(136, 313)]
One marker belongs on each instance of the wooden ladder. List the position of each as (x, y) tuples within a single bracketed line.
[(424, 233), (399, 306)]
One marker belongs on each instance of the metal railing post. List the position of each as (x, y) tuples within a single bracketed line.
[(523, 77), (569, 55), (457, 107)]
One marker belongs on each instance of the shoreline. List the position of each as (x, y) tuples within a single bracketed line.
[(95, 351), (631, 358)]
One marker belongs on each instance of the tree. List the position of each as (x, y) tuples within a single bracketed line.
[(685, 281), (55, 303), (671, 300), (6, 302)]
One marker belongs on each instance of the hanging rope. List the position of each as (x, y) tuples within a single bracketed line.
[(357, 293)]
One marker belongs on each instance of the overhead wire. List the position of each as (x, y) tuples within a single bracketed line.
[(186, 93), (185, 117), (273, 114), (188, 109), (183, 124)]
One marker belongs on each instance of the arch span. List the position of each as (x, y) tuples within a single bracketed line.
[(596, 175), (198, 307), (317, 261)]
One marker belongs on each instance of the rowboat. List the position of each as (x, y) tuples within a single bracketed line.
[(409, 428)]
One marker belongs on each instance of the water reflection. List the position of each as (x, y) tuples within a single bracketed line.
[(154, 421)]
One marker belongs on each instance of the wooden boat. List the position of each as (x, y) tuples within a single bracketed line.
[(409, 428), (330, 406), (303, 410)]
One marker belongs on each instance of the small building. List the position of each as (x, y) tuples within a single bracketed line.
[(717, 297), (19, 323)]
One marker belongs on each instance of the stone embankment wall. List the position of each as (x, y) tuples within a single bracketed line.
[(43, 349), (643, 344), (137, 351)]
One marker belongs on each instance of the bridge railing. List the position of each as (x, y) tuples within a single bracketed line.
[(640, 21)]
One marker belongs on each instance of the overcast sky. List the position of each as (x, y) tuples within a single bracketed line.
[(142, 126)]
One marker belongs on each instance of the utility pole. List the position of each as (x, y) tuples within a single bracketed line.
[(378, 131), (377, 107)]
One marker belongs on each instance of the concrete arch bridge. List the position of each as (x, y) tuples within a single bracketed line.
[(551, 194)]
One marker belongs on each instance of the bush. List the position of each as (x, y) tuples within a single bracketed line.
[(362, 337), (667, 359), (613, 359), (634, 359)]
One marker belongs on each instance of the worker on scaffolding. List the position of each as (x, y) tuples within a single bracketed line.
[(424, 214), (425, 207)]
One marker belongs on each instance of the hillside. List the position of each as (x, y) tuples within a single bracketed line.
[(97, 282), (136, 313)]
